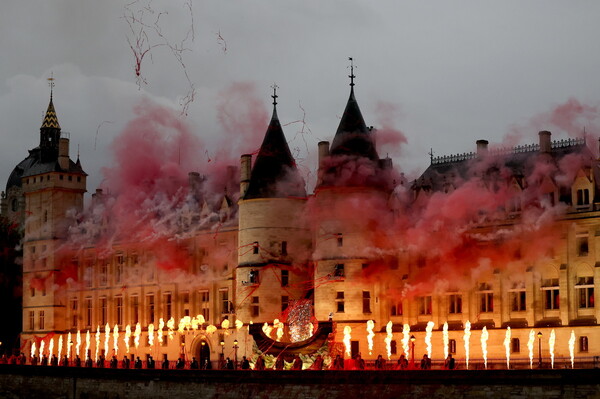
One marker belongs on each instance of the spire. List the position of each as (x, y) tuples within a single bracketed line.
[(352, 136), (274, 174), (50, 119)]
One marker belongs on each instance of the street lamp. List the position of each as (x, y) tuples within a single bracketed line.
[(539, 335), (412, 355), (221, 361), (235, 348)]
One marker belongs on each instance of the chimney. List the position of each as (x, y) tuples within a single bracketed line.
[(63, 153), (545, 142), (482, 147), (323, 151), (97, 197), (245, 169)]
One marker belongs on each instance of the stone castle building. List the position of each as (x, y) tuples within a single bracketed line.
[(280, 247)]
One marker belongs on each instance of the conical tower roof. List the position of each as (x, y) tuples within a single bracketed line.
[(50, 119), (274, 174)]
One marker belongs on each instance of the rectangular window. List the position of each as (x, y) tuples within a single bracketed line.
[(88, 273), (452, 346), (486, 298), (73, 307), (88, 312), (582, 246), (224, 301), (425, 305), (150, 308), (284, 248), (42, 320), (518, 300), (31, 320), (118, 273), (339, 300), (285, 278), (455, 304), (168, 303), (103, 311), (585, 292), (393, 347), (285, 302), (253, 277), (340, 240), (205, 304), (366, 301), (338, 271), (550, 291), (255, 247), (396, 309), (119, 309), (255, 307), (515, 345), (583, 197), (583, 344), (135, 309), (103, 273)]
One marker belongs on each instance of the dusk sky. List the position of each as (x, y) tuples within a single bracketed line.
[(443, 73)]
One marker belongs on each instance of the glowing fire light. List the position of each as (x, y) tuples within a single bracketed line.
[(388, 339), (466, 339), (42, 345), (200, 319), (279, 325), (267, 329), (507, 347), (60, 346), (116, 339), (97, 343), (405, 339), (428, 331), (171, 327), (572, 348), (136, 335), (530, 347), (484, 338), (151, 335), (211, 329), (551, 342), (78, 343), (87, 344), (446, 339), (347, 337), (370, 335), (239, 324), (51, 347), (106, 338), (161, 325), (225, 324), (33, 348), (127, 337), (69, 344)]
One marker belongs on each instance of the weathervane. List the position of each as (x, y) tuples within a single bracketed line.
[(274, 96), (51, 83), (351, 76)]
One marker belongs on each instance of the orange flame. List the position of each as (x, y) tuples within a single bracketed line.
[(507, 346), (551, 343), (530, 347), (347, 337), (484, 338), (370, 335), (572, 348), (405, 339), (466, 339), (388, 339)]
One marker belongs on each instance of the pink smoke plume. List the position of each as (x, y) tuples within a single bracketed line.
[(389, 139)]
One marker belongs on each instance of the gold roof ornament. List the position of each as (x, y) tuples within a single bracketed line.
[(50, 120)]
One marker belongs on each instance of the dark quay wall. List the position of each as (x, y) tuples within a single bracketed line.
[(82, 383)]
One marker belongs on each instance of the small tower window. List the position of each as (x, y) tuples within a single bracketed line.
[(255, 247), (340, 240)]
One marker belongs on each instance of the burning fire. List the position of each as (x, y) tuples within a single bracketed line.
[(239, 324), (405, 339), (507, 347), (467, 338), (388, 339), (106, 338), (551, 342), (87, 344), (370, 335), (127, 336), (484, 338), (60, 346), (97, 343), (116, 339), (151, 335), (136, 335), (428, 331), (69, 344), (530, 347), (42, 345), (347, 337), (161, 325), (210, 329), (279, 325), (572, 348), (33, 348), (51, 347), (78, 343), (171, 327), (446, 339), (267, 329)]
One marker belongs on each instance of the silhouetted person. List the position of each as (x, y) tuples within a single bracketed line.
[(194, 365), (22, 359), (245, 363), (88, 362), (138, 363), (54, 360), (114, 362), (228, 364), (77, 361), (279, 363), (65, 361), (180, 363), (125, 363), (450, 363), (318, 363), (297, 365), (44, 361), (100, 362), (165, 363), (402, 363), (425, 363), (34, 360), (338, 363), (150, 363), (379, 363), (360, 362), (260, 364)]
